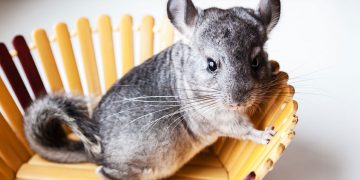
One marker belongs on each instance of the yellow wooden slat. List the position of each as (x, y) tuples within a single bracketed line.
[(270, 118), (238, 163), (88, 56), (263, 168), (37, 160), (66, 50), (229, 146), (9, 156), (12, 114), (13, 140), (127, 43), (13, 145), (238, 157), (38, 172), (107, 50), (202, 172), (281, 125), (166, 34), (5, 176), (207, 150), (205, 159), (201, 159), (42, 43), (5, 172), (147, 38), (230, 157), (181, 178), (218, 145), (225, 149)]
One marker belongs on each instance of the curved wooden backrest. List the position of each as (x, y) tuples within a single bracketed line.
[(90, 72), (15, 98)]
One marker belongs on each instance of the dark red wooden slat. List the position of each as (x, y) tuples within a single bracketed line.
[(29, 66), (14, 77)]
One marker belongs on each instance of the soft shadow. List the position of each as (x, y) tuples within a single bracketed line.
[(305, 161)]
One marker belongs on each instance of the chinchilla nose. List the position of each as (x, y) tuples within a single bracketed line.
[(234, 105), (238, 88)]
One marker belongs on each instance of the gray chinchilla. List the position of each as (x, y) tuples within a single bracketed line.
[(164, 111)]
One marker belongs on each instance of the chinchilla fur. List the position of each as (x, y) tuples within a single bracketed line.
[(164, 111)]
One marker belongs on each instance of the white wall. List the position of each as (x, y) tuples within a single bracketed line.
[(316, 42)]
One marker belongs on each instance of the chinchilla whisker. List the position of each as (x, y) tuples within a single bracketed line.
[(274, 95), (301, 81), (142, 97), (190, 101), (310, 73), (179, 121), (135, 100), (130, 122), (189, 105), (164, 109), (208, 105), (140, 107), (203, 90), (139, 99), (158, 105), (310, 88), (312, 94), (149, 114), (297, 92), (275, 85), (159, 101), (164, 87), (153, 122), (277, 81), (174, 121), (215, 104)]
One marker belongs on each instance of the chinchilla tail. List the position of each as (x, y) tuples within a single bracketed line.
[(44, 124)]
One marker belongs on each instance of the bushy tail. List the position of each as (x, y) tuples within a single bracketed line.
[(43, 124)]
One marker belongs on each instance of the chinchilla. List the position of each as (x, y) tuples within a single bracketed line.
[(164, 111)]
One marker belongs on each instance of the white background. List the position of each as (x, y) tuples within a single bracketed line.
[(316, 42)]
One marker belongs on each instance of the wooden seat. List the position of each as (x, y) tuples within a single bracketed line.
[(69, 62), (204, 166)]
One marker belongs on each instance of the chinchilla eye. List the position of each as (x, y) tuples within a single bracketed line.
[(212, 66), (255, 63)]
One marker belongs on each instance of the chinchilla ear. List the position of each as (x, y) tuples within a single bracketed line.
[(269, 12), (183, 15)]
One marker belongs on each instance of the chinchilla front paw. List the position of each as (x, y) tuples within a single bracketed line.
[(261, 137), (267, 135)]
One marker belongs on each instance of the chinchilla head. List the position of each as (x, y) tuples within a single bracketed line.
[(228, 52)]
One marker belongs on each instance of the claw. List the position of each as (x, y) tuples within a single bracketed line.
[(268, 134)]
